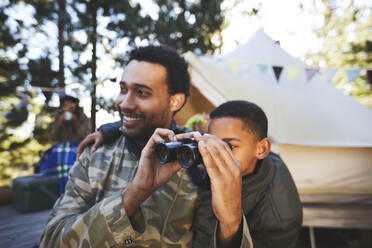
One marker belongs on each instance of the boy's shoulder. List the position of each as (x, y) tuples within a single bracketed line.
[(283, 192)]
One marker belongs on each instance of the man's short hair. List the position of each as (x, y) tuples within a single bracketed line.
[(252, 115), (178, 78)]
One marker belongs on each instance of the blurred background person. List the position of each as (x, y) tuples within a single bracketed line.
[(198, 122), (65, 133), (71, 124)]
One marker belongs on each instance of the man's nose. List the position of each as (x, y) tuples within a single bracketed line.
[(127, 101)]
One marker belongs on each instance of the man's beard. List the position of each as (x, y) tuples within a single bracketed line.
[(142, 134)]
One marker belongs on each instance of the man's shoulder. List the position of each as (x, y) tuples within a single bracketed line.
[(106, 150), (117, 146)]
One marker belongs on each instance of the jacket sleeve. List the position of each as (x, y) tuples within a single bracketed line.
[(77, 220), (286, 238), (277, 218), (110, 132), (205, 225), (246, 240)]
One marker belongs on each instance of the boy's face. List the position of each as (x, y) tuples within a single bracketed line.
[(244, 143)]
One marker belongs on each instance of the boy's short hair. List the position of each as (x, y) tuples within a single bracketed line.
[(178, 77), (251, 114)]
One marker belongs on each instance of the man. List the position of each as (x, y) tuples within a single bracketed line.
[(253, 180), (120, 196)]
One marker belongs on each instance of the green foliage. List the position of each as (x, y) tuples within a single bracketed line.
[(17, 156), (107, 104), (189, 25), (347, 38), (56, 43)]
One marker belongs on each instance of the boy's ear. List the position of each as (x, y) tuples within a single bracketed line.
[(176, 101), (263, 148)]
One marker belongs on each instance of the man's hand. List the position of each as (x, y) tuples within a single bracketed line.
[(150, 174), (95, 137), (226, 184)]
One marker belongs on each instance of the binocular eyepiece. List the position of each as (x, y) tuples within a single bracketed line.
[(185, 151)]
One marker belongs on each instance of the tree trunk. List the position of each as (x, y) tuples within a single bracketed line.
[(61, 41), (94, 68)]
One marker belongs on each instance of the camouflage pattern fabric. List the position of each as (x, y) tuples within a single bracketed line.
[(91, 213)]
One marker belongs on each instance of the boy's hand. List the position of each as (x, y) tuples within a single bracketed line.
[(226, 182)]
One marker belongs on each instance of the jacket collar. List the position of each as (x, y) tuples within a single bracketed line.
[(262, 176)]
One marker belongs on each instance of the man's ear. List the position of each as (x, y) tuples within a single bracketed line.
[(176, 101), (263, 148)]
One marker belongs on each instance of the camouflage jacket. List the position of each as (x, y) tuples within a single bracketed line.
[(91, 212)]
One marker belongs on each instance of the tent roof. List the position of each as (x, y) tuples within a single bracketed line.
[(300, 112), (261, 49)]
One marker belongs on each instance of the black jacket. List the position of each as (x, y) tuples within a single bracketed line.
[(271, 205)]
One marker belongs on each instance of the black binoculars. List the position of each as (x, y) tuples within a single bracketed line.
[(185, 151)]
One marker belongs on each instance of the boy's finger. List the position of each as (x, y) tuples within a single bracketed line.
[(208, 161), (193, 134), (220, 157)]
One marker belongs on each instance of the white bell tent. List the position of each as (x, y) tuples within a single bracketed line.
[(323, 135)]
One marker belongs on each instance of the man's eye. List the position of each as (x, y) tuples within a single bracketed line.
[(142, 93)]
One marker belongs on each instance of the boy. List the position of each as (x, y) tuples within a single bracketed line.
[(264, 190)]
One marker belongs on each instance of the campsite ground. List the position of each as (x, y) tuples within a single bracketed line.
[(337, 238)]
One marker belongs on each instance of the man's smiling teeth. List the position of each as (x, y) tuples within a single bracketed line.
[(129, 118)]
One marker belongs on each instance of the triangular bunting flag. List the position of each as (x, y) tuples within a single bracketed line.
[(234, 64), (246, 68), (329, 73), (262, 68), (352, 74), (277, 71), (293, 72), (310, 73)]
